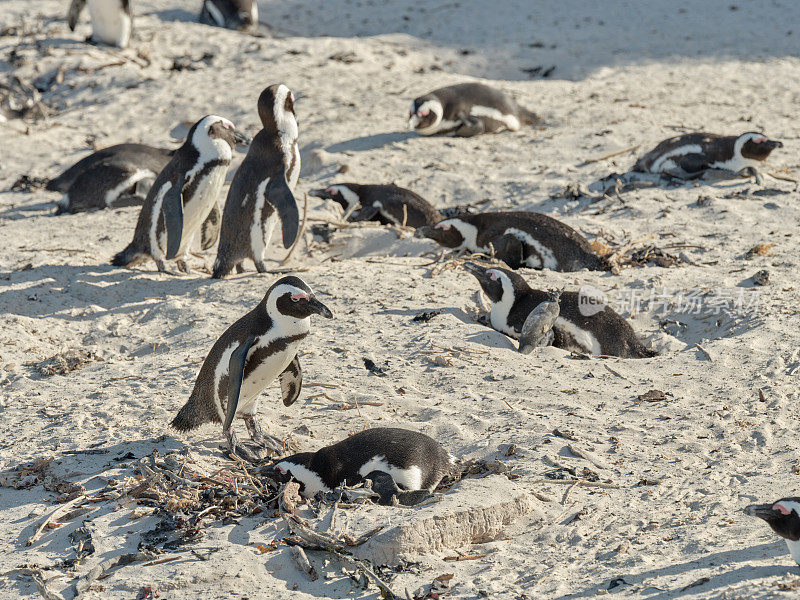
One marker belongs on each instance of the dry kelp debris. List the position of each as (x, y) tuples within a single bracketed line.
[(28, 183), (65, 362), (652, 254), (19, 99)]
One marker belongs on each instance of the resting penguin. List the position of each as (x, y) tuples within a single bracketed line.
[(387, 204), (520, 239), (232, 14), (112, 20), (784, 518), (116, 176), (182, 197), (398, 461), (604, 332), (689, 156), (245, 360), (261, 190), (467, 109)]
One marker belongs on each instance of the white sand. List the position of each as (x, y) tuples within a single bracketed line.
[(650, 70)]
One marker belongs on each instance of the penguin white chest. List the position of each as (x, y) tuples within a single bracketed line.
[(264, 373), (110, 22), (199, 205)]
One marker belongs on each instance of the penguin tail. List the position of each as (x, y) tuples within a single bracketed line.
[(529, 117), (129, 256), (55, 185), (188, 417), (221, 268), (641, 351)]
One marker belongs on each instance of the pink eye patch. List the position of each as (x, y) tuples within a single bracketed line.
[(282, 470), (759, 140), (423, 113), (445, 227), (296, 297), (493, 275), (782, 509)]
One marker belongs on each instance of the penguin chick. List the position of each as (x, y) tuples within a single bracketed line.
[(520, 239), (387, 204), (231, 14), (689, 156), (182, 197), (413, 460), (784, 518), (247, 357), (467, 109), (537, 330), (603, 333), (261, 190), (112, 20)]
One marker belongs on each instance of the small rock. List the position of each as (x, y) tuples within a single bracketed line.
[(761, 278), (652, 396)]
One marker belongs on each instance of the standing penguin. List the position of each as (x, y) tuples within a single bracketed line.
[(387, 204), (467, 109), (261, 190), (112, 20), (232, 14), (120, 175), (689, 156), (413, 461), (252, 352), (520, 239), (183, 196), (602, 332), (784, 518)]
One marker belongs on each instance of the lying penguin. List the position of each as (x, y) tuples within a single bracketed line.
[(387, 204), (692, 155), (232, 14), (401, 463), (603, 333), (112, 20), (784, 518), (467, 109), (520, 239), (247, 357)]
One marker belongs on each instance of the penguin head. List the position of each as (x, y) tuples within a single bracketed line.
[(783, 516), (290, 299), (212, 137), (276, 110), (343, 194), (756, 146), (500, 285), (425, 112), (299, 467), (447, 233)]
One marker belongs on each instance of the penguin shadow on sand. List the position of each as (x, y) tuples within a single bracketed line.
[(371, 142), (736, 575)]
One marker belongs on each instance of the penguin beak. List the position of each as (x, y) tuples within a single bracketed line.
[(321, 193), (478, 271), (241, 139), (319, 308), (762, 511), (423, 232), (772, 144)]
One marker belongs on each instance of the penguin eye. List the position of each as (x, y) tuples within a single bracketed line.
[(298, 297)]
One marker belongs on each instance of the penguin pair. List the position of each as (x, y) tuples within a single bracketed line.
[(466, 110), (112, 20), (559, 322), (520, 239), (386, 204), (231, 14), (690, 156), (401, 464), (783, 517)]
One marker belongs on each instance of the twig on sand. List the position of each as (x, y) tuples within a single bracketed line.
[(52, 517), (607, 156), (301, 559), (581, 482), (301, 232), (569, 491), (464, 557), (781, 177), (705, 352)]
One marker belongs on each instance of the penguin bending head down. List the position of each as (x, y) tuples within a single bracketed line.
[(247, 357), (261, 190), (387, 204), (784, 518), (112, 20), (231, 14), (413, 461), (513, 301), (520, 239), (467, 109), (182, 197), (689, 156)]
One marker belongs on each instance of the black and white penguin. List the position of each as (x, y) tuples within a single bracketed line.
[(182, 197), (261, 190), (232, 14), (784, 518), (252, 352), (414, 461), (120, 175), (387, 204), (112, 20), (513, 300), (689, 156), (467, 109), (520, 239)]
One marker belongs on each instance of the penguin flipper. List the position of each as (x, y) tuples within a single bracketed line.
[(172, 208), (365, 213), (280, 195), (537, 331), (74, 13), (510, 250), (235, 377), (693, 164), (291, 382), (470, 126)]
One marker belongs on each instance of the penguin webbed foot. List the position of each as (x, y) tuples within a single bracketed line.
[(238, 449), (752, 172), (270, 443), (183, 266), (239, 269), (261, 266), (470, 126), (162, 267)]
